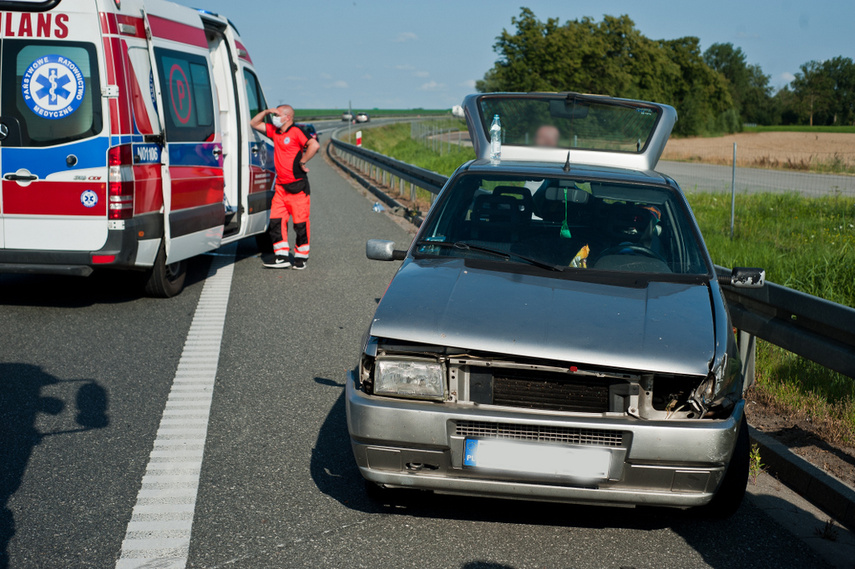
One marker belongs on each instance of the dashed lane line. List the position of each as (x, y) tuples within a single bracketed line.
[(158, 535)]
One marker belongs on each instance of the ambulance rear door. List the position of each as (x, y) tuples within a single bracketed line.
[(257, 163), (53, 144), (192, 160)]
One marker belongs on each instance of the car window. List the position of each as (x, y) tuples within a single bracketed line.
[(254, 95), (188, 95), (566, 223), (580, 123), (51, 89)]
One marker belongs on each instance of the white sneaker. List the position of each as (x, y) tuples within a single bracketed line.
[(280, 262)]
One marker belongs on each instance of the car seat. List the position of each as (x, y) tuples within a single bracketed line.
[(498, 218)]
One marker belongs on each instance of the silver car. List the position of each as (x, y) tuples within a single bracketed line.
[(556, 330)]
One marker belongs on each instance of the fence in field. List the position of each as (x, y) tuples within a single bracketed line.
[(814, 328)]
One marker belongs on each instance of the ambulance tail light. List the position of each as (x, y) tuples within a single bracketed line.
[(121, 182)]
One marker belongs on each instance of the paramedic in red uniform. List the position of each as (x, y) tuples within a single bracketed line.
[(291, 198)]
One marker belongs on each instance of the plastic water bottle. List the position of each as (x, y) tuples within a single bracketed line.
[(496, 141), (378, 207)]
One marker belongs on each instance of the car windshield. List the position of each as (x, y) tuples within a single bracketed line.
[(564, 224)]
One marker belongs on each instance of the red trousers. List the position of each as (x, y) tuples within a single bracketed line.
[(284, 207)]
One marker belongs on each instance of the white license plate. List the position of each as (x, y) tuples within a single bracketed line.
[(526, 458)]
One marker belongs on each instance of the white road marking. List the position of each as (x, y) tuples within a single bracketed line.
[(158, 535)]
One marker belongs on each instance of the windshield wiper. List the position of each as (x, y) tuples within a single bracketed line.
[(495, 252)]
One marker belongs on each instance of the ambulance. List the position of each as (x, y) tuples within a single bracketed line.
[(125, 140)]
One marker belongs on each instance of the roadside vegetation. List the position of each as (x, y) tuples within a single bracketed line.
[(846, 129), (803, 243), (714, 91), (807, 244), (317, 114)]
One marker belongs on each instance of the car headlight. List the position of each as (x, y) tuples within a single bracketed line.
[(409, 378)]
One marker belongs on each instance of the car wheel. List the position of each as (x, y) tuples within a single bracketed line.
[(731, 491), (165, 280)]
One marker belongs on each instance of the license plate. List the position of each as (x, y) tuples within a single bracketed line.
[(525, 458)]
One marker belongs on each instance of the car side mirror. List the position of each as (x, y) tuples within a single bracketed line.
[(382, 250), (742, 277)]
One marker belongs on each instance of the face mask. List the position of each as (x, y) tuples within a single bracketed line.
[(278, 121)]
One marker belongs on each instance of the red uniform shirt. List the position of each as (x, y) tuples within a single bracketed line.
[(288, 152)]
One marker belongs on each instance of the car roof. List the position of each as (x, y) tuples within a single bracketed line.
[(576, 171)]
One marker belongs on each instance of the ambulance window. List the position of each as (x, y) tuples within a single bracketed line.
[(51, 90), (253, 93), (188, 96)]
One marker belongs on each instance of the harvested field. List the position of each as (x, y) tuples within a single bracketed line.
[(823, 152)]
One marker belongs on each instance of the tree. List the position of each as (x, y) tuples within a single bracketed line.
[(813, 90), (748, 85), (611, 57), (840, 72)]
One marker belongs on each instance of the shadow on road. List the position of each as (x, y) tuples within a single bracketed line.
[(723, 544), (101, 287), (21, 401)]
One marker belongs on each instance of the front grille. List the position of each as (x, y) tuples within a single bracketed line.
[(566, 435), (552, 391)]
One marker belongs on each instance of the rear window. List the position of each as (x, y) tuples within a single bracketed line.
[(51, 90), (580, 122)]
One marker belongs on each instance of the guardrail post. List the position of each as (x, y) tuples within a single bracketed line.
[(413, 193), (747, 344)]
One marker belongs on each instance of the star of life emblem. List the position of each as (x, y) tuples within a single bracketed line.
[(53, 87)]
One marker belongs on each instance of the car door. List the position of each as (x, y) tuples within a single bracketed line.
[(260, 158)]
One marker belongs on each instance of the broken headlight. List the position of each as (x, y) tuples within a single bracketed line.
[(409, 378)]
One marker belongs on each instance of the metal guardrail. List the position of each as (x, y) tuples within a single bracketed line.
[(420, 177), (812, 327)]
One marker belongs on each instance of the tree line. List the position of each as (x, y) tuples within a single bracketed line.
[(714, 91)]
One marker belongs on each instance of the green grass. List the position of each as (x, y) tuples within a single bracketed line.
[(305, 114), (847, 129), (803, 243), (394, 141)]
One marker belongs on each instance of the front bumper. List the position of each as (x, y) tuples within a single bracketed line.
[(416, 444)]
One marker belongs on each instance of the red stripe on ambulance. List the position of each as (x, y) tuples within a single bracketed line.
[(53, 198), (176, 31), (193, 186)]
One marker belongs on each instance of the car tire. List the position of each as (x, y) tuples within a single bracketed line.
[(731, 491), (165, 281)]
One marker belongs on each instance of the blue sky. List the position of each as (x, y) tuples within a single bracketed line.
[(428, 54)]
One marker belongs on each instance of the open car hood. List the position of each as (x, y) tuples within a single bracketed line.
[(592, 129), (663, 327)]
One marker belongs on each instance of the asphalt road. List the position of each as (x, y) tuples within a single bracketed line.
[(86, 366), (694, 177)]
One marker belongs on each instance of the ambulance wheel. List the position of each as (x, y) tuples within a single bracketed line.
[(164, 281)]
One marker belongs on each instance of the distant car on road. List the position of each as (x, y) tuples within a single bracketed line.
[(362, 117), (309, 130), (556, 330), (347, 116)]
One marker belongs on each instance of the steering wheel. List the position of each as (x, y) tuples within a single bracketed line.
[(633, 249)]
